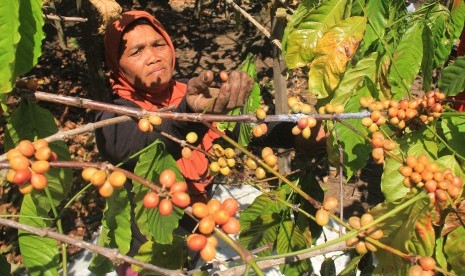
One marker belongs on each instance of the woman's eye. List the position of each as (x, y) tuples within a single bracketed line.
[(136, 52)]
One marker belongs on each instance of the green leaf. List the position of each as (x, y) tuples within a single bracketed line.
[(377, 14), (437, 20), (356, 149), (9, 24), (5, 267), (332, 52), (116, 228), (40, 254), (452, 81), (449, 162), (291, 239), (406, 61), (454, 129), (170, 256), (353, 77), (153, 225), (457, 15), (398, 230), (260, 223), (306, 27), (454, 249), (428, 57), (351, 268), (30, 30), (328, 268), (439, 252)]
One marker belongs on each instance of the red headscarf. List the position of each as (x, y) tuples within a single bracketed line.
[(194, 169)]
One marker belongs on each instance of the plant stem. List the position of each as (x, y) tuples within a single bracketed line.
[(60, 230)]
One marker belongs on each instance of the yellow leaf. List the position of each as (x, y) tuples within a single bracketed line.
[(109, 10)]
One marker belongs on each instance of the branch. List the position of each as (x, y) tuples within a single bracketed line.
[(254, 22), (110, 253), (239, 270), (188, 117), (64, 18)]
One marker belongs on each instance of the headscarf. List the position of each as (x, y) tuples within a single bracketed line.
[(194, 169)]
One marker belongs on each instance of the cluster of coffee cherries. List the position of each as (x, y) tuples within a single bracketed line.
[(322, 215), (29, 162), (297, 106), (304, 126), (404, 111), (225, 161), (361, 245), (191, 138), (268, 157), (380, 145), (331, 108), (419, 173), (261, 128), (213, 213), (105, 182), (171, 193), (424, 267), (147, 124)]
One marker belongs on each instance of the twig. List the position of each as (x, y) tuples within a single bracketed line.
[(254, 22), (110, 253), (187, 117), (239, 270), (64, 18)]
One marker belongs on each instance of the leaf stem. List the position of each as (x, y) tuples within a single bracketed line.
[(60, 230)]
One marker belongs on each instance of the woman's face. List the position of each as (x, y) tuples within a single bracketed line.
[(146, 59)]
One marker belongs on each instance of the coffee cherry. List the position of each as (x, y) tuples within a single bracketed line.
[(257, 131), (165, 207), (214, 167), (19, 162), (225, 170), (192, 137), (144, 125), (178, 186), (213, 205), (306, 109), (10, 175), (311, 122), (196, 242), (330, 203), (224, 76), (415, 270), (212, 241), (39, 181), (87, 173), (40, 143), (40, 166), (25, 188), (206, 225), (231, 162), (266, 151), (427, 263), (229, 153), (354, 222), (322, 217), (186, 152), (151, 200), (271, 160), (218, 150), (12, 153), (260, 173), (106, 190), (361, 248), (232, 226), (306, 133), (21, 176), (221, 216), (155, 120), (26, 148), (230, 206), (208, 253), (99, 178), (405, 171), (296, 130), (366, 219), (251, 164), (302, 123), (371, 247), (167, 178), (200, 210), (181, 199), (117, 179), (222, 162), (43, 153), (352, 241), (261, 114), (375, 233)]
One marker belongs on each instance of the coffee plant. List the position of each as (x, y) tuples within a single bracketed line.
[(361, 57)]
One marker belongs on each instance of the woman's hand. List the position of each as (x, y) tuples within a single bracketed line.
[(233, 92)]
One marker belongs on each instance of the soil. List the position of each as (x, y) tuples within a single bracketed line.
[(214, 41)]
